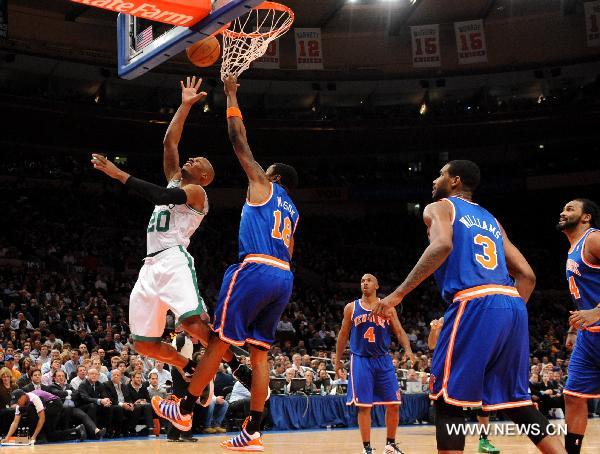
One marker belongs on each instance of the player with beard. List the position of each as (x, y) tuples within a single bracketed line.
[(579, 221), (482, 355)]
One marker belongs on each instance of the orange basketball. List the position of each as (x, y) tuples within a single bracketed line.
[(204, 53)]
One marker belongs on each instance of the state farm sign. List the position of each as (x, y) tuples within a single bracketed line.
[(184, 13)]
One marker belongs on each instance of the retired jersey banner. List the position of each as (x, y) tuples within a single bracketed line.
[(592, 23), (470, 42), (425, 46), (270, 59), (3, 19), (309, 51)]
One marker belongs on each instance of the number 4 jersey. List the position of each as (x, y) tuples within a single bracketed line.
[(172, 225), (477, 256), (268, 228)]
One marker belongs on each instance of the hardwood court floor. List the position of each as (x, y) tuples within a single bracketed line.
[(412, 440)]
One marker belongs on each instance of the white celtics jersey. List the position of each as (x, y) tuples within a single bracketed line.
[(172, 225)]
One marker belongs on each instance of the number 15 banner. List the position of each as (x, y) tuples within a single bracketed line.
[(425, 46), (309, 52), (592, 23), (470, 42)]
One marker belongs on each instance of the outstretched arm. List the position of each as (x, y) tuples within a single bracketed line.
[(258, 183), (438, 218), (189, 97), (402, 337), (342, 338), (518, 268), (191, 194)]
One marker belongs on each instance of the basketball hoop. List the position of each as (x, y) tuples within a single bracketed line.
[(247, 37)]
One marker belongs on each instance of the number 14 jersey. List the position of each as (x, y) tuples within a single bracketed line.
[(477, 256), (268, 228)]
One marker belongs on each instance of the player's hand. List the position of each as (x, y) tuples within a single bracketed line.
[(437, 324), (220, 400), (189, 91), (570, 341), (103, 164), (230, 85), (386, 307), (585, 318), (410, 355)]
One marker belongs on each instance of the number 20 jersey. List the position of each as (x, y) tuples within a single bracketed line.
[(268, 228), (172, 225), (477, 256)]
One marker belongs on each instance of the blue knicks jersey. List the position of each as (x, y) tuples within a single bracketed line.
[(370, 335), (583, 277), (477, 256), (268, 228)]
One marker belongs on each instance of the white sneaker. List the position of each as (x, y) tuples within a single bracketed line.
[(368, 450), (392, 449)]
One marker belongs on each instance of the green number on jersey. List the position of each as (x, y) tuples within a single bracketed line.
[(159, 221)]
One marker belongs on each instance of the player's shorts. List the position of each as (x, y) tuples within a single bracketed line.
[(166, 281), (372, 381), (583, 378), (482, 355), (252, 299)]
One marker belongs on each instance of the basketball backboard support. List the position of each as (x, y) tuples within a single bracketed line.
[(134, 61)]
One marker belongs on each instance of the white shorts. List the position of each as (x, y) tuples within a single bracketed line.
[(166, 281)]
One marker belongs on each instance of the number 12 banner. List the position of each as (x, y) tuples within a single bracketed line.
[(592, 23), (470, 42), (425, 46), (309, 51)]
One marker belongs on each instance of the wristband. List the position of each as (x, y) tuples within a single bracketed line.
[(234, 112)]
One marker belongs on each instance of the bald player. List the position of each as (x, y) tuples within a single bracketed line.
[(372, 375)]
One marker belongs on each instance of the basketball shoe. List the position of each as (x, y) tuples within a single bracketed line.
[(244, 442), (169, 409), (392, 448), (486, 446)]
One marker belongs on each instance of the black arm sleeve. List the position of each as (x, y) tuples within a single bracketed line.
[(156, 194)]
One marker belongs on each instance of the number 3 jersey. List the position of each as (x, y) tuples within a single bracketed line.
[(172, 225), (477, 256), (268, 228)]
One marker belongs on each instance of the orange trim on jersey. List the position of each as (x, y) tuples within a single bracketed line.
[(593, 329), (353, 402), (259, 343), (572, 248), (453, 208), (450, 350), (391, 402), (225, 304), (485, 290), (352, 381), (583, 396), (502, 406), (597, 267), (227, 340), (267, 260), (259, 204)]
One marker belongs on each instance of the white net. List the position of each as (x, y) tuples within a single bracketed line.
[(248, 36)]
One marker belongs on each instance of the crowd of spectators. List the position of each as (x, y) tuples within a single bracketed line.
[(69, 259)]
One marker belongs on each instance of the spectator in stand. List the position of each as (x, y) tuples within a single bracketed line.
[(108, 344), (102, 371), (141, 400), (154, 387), (79, 378), (26, 369), (54, 355), (48, 377), (213, 416), (7, 386), (164, 375), (285, 325), (342, 380), (223, 381), (118, 345), (278, 371), (324, 382), (16, 323), (239, 402), (297, 365), (9, 362), (95, 402), (290, 374), (36, 381), (70, 367), (310, 387)]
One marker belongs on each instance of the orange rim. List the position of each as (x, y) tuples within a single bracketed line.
[(265, 5)]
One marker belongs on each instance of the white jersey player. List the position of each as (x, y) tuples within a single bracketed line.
[(167, 280)]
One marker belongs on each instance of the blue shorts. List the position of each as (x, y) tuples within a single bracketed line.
[(372, 381), (252, 298), (482, 355), (583, 378)]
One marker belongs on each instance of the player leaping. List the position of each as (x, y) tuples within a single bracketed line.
[(167, 279), (255, 291)]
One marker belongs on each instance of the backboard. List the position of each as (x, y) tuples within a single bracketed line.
[(143, 44)]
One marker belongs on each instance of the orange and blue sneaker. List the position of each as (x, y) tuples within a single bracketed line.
[(169, 409), (244, 441)]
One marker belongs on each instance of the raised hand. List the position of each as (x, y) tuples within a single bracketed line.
[(230, 85), (189, 91), (104, 165)]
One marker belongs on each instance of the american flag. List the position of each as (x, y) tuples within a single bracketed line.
[(143, 39)]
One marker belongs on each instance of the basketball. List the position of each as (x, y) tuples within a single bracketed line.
[(204, 53)]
